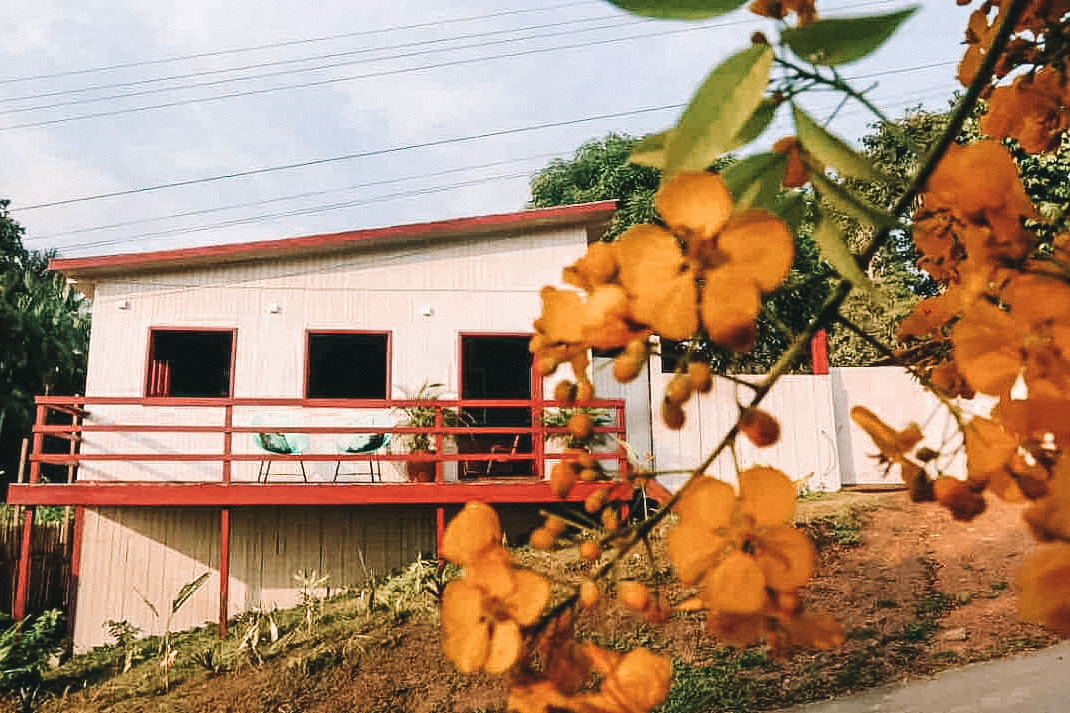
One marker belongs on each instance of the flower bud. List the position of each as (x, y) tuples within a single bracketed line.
[(761, 428), (590, 550), (581, 426), (589, 594), (701, 376), (562, 478), (679, 389), (595, 500), (672, 414), (543, 539), (633, 595), (565, 390)]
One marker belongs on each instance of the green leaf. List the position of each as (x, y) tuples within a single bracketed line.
[(678, 9), (719, 110), (187, 591), (651, 150), (755, 181), (756, 124), (841, 40), (832, 151), (791, 207), (148, 603), (853, 205), (833, 246)]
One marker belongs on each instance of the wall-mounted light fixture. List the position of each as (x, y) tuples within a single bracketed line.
[(274, 308), (123, 304), (427, 311)]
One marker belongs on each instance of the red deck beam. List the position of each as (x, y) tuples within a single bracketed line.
[(127, 494)]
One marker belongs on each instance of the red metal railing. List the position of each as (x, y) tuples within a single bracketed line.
[(226, 418)]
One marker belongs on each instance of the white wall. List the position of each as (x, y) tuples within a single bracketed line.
[(803, 406), (155, 551), (898, 399), (488, 284)]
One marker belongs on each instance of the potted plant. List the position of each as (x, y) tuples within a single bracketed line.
[(423, 416)]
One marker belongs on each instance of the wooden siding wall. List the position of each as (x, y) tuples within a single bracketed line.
[(156, 551), (480, 285), (892, 394), (802, 404), (819, 441)]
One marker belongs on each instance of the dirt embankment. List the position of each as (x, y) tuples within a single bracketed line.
[(916, 592)]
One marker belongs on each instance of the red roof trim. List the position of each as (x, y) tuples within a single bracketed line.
[(540, 217)]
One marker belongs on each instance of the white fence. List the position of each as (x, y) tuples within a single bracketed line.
[(819, 442)]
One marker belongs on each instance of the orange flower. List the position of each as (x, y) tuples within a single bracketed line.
[(646, 282), (992, 347), (893, 447), (991, 459), (892, 444), (483, 613), (740, 548), (1043, 588), (1034, 110), (738, 257), (979, 185)]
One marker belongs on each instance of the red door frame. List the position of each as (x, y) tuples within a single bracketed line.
[(536, 390)]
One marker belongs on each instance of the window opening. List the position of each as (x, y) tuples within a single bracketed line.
[(348, 365), (190, 363)]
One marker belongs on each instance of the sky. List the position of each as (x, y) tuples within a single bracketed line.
[(397, 111)]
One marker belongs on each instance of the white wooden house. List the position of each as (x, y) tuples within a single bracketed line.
[(194, 353), (202, 359)]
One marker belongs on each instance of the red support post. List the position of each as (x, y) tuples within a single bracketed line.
[(38, 444), (819, 353), (440, 469), (76, 568), (440, 532), (228, 439), (22, 582), (224, 570)]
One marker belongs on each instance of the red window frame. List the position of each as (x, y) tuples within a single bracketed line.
[(309, 333), (157, 383)]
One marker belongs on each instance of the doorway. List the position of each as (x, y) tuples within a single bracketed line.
[(497, 367)]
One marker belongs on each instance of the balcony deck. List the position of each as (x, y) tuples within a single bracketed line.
[(202, 453), (199, 452)]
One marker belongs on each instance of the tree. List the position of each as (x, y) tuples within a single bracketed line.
[(45, 328)]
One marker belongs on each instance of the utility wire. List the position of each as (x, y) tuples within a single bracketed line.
[(297, 60), (349, 157), (284, 43), (335, 80), (916, 98), (293, 196)]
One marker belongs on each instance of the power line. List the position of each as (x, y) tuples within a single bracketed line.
[(294, 196), (311, 210), (349, 157), (297, 60), (284, 43), (335, 80), (913, 99)]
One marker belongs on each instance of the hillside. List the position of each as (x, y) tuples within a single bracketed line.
[(916, 591)]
